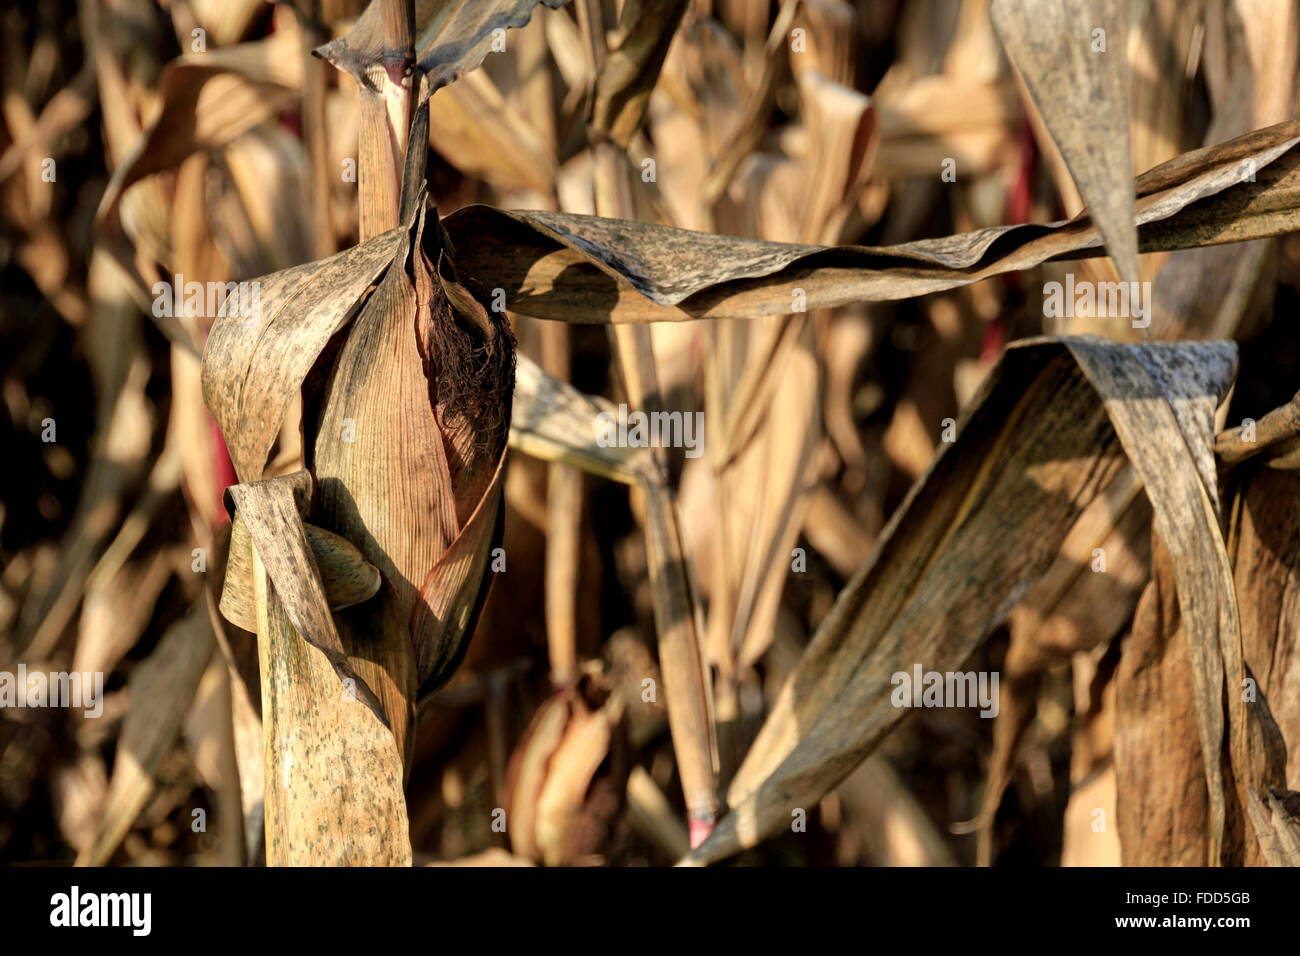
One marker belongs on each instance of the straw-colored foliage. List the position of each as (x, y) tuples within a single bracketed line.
[(969, 324)]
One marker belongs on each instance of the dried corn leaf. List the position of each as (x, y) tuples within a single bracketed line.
[(586, 269), (478, 131), (253, 368), (1074, 60), (1083, 600), (333, 771), (1162, 806), (1205, 293), (209, 733), (1047, 434), (527, 771), (208, 99), (1265, 545), (632, 66), (346, 577), (451, 36), (1276, 818), (553, 421), (271, 511), (161, 692)]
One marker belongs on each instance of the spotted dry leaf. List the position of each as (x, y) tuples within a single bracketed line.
[(589, 269)]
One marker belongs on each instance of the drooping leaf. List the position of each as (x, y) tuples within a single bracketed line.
[(553, 421), (594, 270), (254, 366), (451, 36), (1074, 60), (1049, 431), (632, 66), (271, 512), (333, 770), (206, 100)]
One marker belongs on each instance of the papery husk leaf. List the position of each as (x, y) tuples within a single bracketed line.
[(417, 486), (455, 590), (271, 510), (1162, 804), (253, 369)]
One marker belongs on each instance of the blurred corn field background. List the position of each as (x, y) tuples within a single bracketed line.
[(364, 584)]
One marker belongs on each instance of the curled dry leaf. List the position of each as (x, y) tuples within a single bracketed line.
[(566, 781), (346, 577), (1277, 432), (253, 368), (588, 269), (451, 36), (206, 101), (1047, 434), (1276, 818)]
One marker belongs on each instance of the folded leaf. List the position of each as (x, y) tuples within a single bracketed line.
[(254, 367), (593, 270)]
